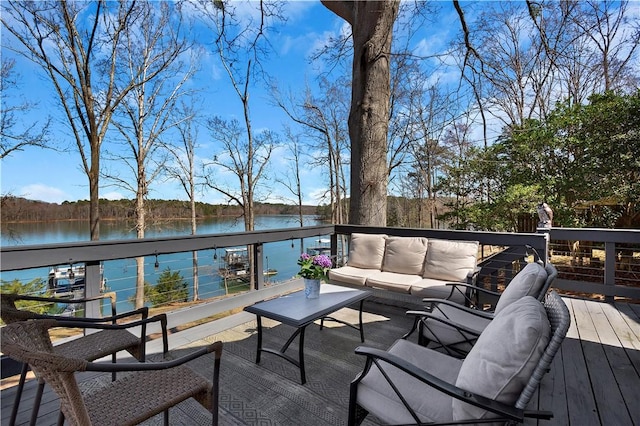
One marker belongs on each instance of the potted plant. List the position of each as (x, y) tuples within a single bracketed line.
[(314, 270)]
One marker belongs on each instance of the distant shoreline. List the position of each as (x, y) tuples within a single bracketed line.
[(21, 210)]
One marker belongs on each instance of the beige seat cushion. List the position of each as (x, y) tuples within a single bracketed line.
[(435, 289), (377, 396), (527, 282), (351, 275), (504, 357), (366, 251), (404, 255), (391, 281), (450, 260)]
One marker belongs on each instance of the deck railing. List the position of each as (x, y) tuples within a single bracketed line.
[(496, 247), (499, 253), (93, 254), (597, 261)]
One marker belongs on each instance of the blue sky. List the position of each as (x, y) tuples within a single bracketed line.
[(56, 176)]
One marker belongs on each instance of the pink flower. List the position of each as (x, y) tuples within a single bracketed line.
[(314, 267)]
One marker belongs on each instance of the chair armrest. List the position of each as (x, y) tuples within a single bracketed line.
[(475, 288), (109, 295), (162, 318), (162, 365), (435, 303), (143, 312), (375, 355), (473, 274), (469, 292), (421, 315)]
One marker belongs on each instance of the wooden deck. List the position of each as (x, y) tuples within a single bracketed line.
[(595, 379)]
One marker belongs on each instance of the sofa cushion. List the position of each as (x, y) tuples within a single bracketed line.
[(392, 281), (504, 357), (378, 397), (366, 250), (351, 275), (527, 282), (435, 289), (404, 255), (450, 260)]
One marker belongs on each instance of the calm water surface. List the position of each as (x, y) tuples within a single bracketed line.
[(120, 274)]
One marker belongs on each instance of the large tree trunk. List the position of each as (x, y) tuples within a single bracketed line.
[(372, 28), (140, 230)]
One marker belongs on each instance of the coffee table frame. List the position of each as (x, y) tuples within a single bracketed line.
[(297, 311)]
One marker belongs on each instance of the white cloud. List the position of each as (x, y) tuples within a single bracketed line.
[(315, 196), (42, 192), (113, 195)]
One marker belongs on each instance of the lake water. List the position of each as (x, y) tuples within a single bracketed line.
[(120, 274)]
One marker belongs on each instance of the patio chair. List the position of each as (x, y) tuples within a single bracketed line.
[(151, 388), (412, 384), (107, 341), (473, 296), (453, 328)]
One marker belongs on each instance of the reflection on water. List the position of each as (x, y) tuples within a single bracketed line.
[(120, 274)]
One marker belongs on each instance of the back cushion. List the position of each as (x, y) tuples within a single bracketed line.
[(527, 282), (449, 260), (366, 251), (404, 255), (502, 360)]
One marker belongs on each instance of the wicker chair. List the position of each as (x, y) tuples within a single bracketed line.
[(109, 340), (411, 384), (151, 389), (453, 328)]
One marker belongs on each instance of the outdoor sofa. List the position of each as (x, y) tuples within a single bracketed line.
[(409, 268)]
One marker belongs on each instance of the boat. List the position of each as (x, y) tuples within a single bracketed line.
[(69, 280), (236, 265), (322, 246), (269, 272)]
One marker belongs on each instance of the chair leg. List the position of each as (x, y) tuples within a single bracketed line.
[(36, 403), (113, 359), (60, 418), (413, 328), (16, 402), (356, 412), (166, 417), (422, 340)]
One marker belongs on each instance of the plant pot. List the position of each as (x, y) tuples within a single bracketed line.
[(311, 288)]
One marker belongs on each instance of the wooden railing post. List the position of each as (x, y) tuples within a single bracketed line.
[(609, 269), (258, 270), (92, 287)]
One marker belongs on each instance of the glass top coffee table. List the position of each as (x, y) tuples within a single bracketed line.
[(297, 311)]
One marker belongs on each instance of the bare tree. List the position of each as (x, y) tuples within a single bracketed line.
[(614, 38), (512, 62), (291, 179), (77, 45), (322, 119), (15, 133), (245, 159), (240, 43), (183, 168), (372, 27), (147, 113)]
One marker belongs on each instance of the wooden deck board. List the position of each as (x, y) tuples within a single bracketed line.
[(552, 394), (594, 379), (592, 324)]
